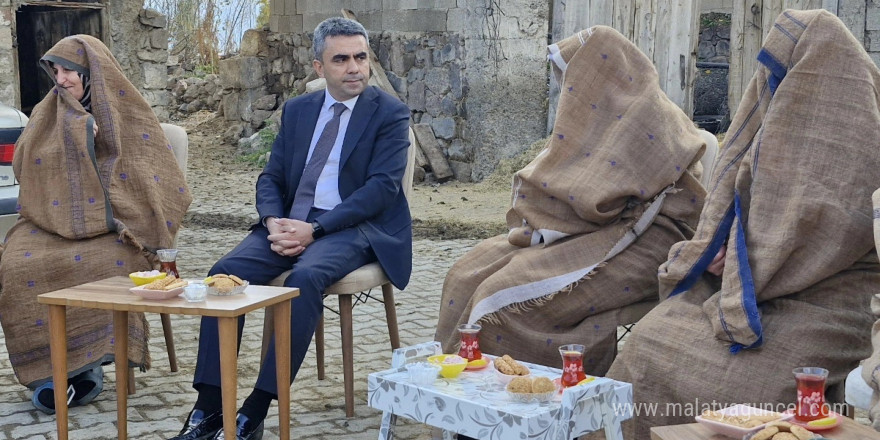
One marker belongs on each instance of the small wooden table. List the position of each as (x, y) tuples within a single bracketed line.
[(848, 429), (112, 294)]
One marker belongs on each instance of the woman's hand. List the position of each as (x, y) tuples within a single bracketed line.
[(716, 267), (95, 129)]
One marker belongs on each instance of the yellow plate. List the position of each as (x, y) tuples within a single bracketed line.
[(477, 364), (587, 380)]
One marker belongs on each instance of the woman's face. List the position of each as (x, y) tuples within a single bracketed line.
[(69, 80)]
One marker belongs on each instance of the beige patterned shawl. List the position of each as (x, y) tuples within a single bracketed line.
[(90, 208), (616, 168)]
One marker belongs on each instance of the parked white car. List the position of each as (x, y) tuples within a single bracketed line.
[(12, 122)]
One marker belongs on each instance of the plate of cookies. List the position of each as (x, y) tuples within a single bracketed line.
[(740, 420), (163, 288), (222, 284), (507, 369), (782, 431), (527, 389)]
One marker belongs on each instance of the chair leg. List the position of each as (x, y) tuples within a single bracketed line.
[(169, 340), (319, 346), (131, 386), (391, 315), (347, 352)]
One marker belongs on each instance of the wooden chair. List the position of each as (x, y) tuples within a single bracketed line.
[(179, 141), (628, 316), (356, 284)]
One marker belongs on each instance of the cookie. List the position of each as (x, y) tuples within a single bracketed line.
[(785, 436), (518, 369), (801, 433), (174, 285), (543, 385), (223, 285), (766, 433), (159, 284), (521, 385), (503, 366), (783, 426), (238, 281)]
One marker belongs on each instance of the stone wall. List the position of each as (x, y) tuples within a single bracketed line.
[(872, 29), (136, 37), (9, 94), (477, 75)]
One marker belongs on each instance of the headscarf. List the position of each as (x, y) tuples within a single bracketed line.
[(49, 61)]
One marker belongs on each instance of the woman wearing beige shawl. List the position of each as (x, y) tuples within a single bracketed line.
[(100, 192), (791, 196), (592, 216)]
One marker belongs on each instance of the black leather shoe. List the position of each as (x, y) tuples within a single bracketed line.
[(245, 429), (201, 426)]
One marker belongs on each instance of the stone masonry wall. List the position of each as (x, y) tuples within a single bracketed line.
[(872, 29), (9, 94), (136, 37)]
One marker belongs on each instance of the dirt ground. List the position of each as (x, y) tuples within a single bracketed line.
[(451, 210)]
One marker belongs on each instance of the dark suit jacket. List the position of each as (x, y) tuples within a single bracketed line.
[(372, 165)]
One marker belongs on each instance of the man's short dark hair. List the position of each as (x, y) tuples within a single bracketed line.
[(335, 27)]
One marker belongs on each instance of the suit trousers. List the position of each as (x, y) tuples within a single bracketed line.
[(324, 262)]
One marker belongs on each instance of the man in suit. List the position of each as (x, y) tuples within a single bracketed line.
[(323, 219)]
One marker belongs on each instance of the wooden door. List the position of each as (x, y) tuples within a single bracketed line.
[(38, 28)]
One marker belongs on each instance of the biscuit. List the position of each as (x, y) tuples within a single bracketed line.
[(783, 426), (543, 385), (752, 422), (518, 369), (159, 284), (801, 433), (766, 433), (238, 281), (174, 285), (220, 275), (785, 436), (502, 366), (769, 417), (224, 285), (520, 385)]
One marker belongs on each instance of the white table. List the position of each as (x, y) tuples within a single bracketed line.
[(475, 403)]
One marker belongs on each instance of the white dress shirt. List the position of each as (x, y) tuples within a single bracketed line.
[(327, 189)]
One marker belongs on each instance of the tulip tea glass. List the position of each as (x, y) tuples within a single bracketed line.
[(470, 342), (572, 364), (168, 261), (810, 393)]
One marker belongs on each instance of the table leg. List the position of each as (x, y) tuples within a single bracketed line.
[(611, 420), (347, 352), (228, 331), (282, 366), (58, 352), (120, 342)]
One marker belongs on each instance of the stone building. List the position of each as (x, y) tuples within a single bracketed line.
[(137, 38)]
